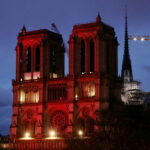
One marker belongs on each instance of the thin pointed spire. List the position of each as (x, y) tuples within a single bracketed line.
[(98, 18), (125, 10), (23, 29), (126, 46), (126, 65)]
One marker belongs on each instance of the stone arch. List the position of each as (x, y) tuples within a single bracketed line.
[(80, 123), (89, 125), (88, 120), (29, 126)]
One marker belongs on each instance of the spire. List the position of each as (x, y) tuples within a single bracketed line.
[(98, 18), (126, 65), (23, 29)]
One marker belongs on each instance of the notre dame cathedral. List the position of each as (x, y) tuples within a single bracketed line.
[(45, 100)]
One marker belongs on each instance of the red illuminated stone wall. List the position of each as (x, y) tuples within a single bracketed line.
[(44, 99)]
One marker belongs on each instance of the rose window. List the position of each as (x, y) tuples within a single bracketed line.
[(59, 120)]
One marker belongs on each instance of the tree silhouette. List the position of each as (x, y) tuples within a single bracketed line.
[(122, 127)]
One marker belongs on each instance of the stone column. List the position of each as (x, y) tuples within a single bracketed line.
[(32, 61), (97, 55), (17, 62), (40, 123), (87, 56), (42, 59), (71, 55)]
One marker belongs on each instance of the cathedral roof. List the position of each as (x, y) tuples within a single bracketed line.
[(35, 32), (96, 25), (38, 33)]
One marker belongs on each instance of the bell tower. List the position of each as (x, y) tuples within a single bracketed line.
[(39, 55), (94, 66), (93, 49), (39, 59)]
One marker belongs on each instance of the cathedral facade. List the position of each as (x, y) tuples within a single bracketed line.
[(45, 100)]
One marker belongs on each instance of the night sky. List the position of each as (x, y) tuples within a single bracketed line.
[(39, 14)]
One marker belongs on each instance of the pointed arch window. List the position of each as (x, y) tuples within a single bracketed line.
[(28, 60), (107, 57), (37, 59), (92, 56), (22, 97), (21, 53), (54, 59), (29, 126), (20, 61), (29, 96), (35, 96), (82, 56)]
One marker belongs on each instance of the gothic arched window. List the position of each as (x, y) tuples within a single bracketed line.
[(107, 57), (82, 56), (91, 56), (22, 97), (34, 96), (28, 60), (21, 54), (37, 59), (54, 59)]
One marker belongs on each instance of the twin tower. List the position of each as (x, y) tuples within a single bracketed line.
[(44, 99)]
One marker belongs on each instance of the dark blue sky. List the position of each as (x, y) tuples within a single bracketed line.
[(39, 14)]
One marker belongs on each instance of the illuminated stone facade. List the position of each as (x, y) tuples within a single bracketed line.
[(44, 99)]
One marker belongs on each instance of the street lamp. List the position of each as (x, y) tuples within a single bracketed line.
[(52, 134), (27, 135), (80, 133)]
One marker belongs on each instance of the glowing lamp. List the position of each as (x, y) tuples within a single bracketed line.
[(135, 39), (76, 97), (52, 134), (27, 135), (80, 133), (142, 39)]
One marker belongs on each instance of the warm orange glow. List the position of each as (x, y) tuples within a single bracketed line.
[(76, 97), (27, 76), (37, 96), (27, 135), (91, 90), (80, 133), (36, 75), (22, 96), (31, 96), (52, 134), (53, 75)]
